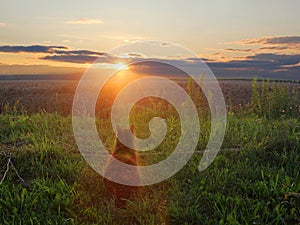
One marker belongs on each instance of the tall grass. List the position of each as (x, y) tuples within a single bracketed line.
[(275, 100)]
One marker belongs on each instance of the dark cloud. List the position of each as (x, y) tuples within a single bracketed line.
[(82, 59), (156, 68), (264, 65), (79, 52), (278, 59), (30, 49), (238, 50), (58, 53), (240, 64), (194, 59), (278, 48), (208, 60), (282, 40), (279, 40), (274, 64)]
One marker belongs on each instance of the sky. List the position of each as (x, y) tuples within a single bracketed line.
[(237, 38)]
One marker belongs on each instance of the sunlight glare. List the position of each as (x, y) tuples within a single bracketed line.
[(121, 66)]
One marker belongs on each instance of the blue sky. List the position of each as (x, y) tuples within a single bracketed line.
[(215, 30)]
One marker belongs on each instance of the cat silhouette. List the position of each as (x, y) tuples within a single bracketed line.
[(126, 155)]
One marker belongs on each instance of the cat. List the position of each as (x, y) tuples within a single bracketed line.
[(126, 155)]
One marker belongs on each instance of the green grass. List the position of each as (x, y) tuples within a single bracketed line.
[(254, 180)]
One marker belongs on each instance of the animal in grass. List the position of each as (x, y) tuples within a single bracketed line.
[(126, 155)]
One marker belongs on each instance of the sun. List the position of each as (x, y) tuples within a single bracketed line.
[(121, 66)]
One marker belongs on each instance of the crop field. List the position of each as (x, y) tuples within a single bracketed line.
[(57, 95), (255, 178)]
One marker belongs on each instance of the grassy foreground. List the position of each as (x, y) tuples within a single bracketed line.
[(255, 179)]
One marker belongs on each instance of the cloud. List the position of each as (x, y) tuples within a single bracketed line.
[(134, 54), (2, 24), (264, 61), (278, 59), (273, 66), (276, 48), (58, 53), (292, 66), (131, 55), (275, 57), (84, 21), (80, 52), (82, 59), (80, 56), (276, 40), (155, 68), (275, 44), (30, 49), (132, 40), (238, 50), (263, 65), (283, 40)]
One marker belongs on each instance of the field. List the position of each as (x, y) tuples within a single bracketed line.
[(57, 95), (255, 179)]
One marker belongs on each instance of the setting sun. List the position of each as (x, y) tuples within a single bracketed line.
[(121, 66)]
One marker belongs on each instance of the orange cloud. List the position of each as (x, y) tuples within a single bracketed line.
[(2, 24), (84, 21), (273, 40)]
